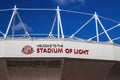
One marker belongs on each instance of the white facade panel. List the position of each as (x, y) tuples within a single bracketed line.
[(1, 48), (117, 53), (55, 48), (96, 51)]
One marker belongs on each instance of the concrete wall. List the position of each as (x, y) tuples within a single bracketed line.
[(114, 74), (72, 69), (3, 70), (86, 69), (28, 73)]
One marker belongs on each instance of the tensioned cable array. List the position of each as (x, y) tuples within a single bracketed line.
[(69, 11), (2, 10)]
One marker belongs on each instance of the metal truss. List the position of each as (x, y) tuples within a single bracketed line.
[(57, 19)]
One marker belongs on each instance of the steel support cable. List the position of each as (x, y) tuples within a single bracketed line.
[(33, 9), (77, 12), (108, 19), (2, 10), (36, 9), (81, 27), (90, 15), (30, 9), (104, 32)]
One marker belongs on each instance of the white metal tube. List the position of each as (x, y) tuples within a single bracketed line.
[(104, 30), (13, 27), (96, 24), (2, 33), (61, 29), (8, 28), (116, 39), (81, 27), (58, 25), (50, 34)]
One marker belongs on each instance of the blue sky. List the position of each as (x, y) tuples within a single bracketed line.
[(41, 22)]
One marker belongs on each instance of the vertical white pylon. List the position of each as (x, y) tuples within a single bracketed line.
[(96, 24), (59, 23), (104, 29), (58, 28)]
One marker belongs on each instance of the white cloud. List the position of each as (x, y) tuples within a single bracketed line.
[(82, 1), (63, 2), (66, 2), (20, 27)]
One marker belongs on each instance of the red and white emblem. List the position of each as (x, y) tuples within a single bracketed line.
[(27, 50)]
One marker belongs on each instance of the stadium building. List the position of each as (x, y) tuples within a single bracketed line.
[(58, 57)]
